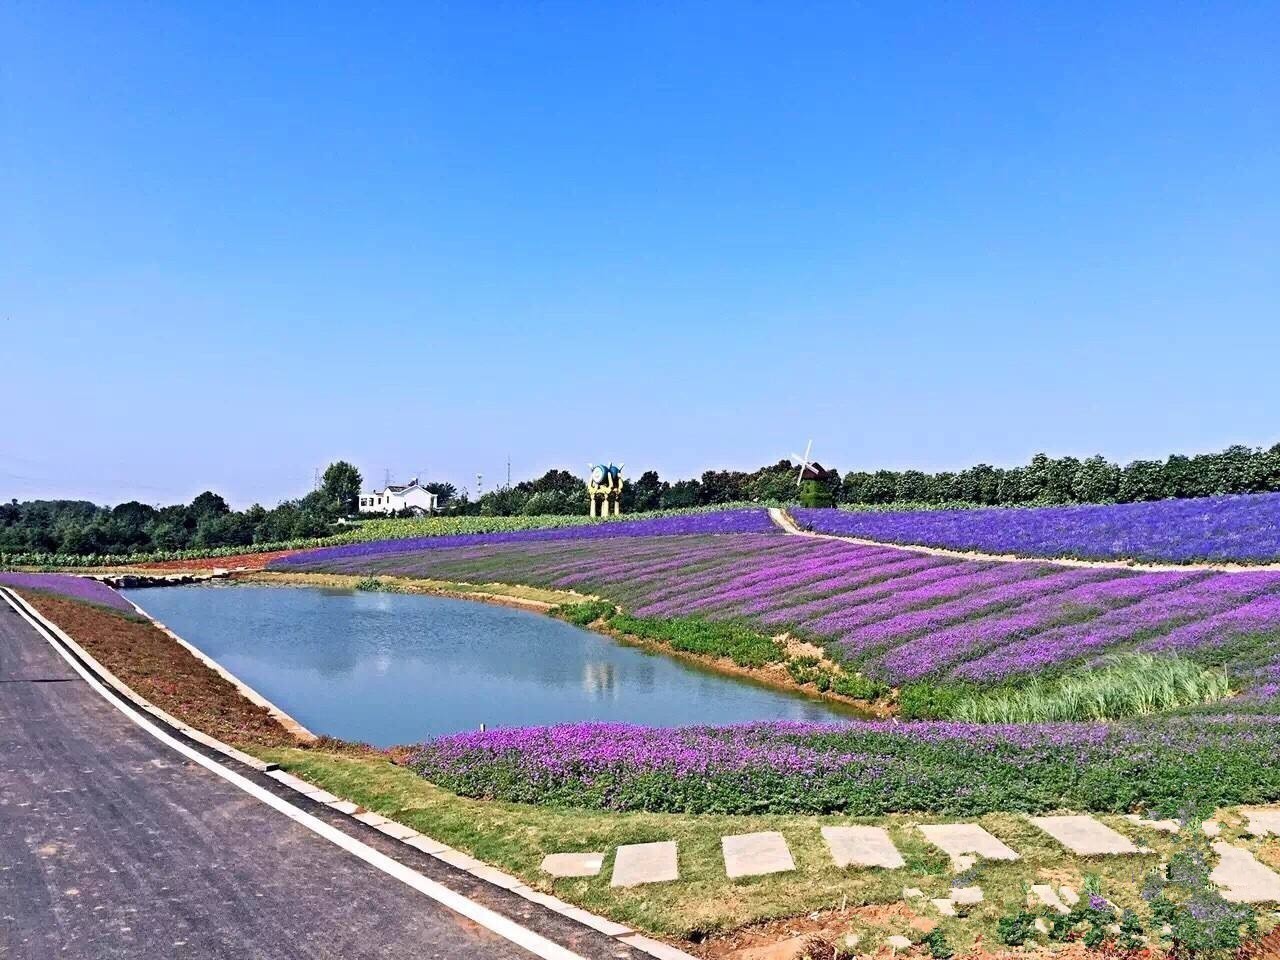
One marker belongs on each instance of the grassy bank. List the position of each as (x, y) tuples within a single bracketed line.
[(704, 903)]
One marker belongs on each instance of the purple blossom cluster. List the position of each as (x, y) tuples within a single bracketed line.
[(745, 520), (893, 613), (71, 587), (1243, 528)]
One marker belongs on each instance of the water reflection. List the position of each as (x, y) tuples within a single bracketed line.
[(395, 668)]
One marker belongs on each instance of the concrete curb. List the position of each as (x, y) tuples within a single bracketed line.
[(407, 835)]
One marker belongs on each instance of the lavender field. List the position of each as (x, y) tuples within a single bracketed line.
[(1238, 529), (69, 587), (894, 614)]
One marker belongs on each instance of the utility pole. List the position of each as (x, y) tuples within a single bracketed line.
[(508, 471), (386, 477)]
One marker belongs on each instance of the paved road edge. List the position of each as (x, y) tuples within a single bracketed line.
[(100, 679)]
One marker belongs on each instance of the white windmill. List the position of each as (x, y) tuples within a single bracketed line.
[(805, 463)]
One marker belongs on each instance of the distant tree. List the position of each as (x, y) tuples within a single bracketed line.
[(723, 486), (445, 492), (341, 486), (645, 493), (208, 504), (682, 493), (1097, 481), (553, 481), (775, 483)]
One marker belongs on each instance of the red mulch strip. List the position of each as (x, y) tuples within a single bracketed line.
[(247, 561), (158, 668)]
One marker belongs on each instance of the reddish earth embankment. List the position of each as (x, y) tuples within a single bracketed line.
[(160, 669), (239, 561)]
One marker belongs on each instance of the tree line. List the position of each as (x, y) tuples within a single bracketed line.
[(80, 528)]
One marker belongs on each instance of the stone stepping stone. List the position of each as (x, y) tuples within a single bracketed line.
[(958, 839), (1069, 895), (1046, 895), (637, 863), (1211, 828), (945, 907), (755, 854), (967, 896), (899, 942), (572, 864), (863, 846), (1241, 878), (1085, 836), (1167, 826), (1261, 821)]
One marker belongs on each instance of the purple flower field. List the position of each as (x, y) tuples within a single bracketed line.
[(897, 615), (1243, 529), (64, 585), (723, 521)]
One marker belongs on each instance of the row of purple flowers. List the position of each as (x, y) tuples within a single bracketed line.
[(1244, 528), (71, 587), (746, 520), (868, 767)]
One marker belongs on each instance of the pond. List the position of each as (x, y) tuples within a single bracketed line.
[(389, 668)]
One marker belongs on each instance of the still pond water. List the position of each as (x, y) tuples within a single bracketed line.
[(389, 668)]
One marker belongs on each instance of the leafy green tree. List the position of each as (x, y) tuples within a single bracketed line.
[(682, 493), (723, 486), (445, 493), (645, 493), (1097, 481), (208, 504), (341, 487)]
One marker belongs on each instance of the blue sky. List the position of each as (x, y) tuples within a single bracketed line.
[(238, 241)]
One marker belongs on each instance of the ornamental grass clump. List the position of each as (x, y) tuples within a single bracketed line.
[(1126, 685)]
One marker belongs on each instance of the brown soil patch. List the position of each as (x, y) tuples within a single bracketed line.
[(239, 561), (158, 668)]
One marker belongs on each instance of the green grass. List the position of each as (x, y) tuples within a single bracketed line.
[(742, 645), (704, 901), (1128, 685)]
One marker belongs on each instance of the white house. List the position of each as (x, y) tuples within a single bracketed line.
[(397, 497)]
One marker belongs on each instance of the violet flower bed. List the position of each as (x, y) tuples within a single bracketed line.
[(867, 767), (721, 522), (1242, 528), (899, 616), (65, 585)]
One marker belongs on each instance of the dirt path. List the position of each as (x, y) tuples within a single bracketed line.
[(787, 523)]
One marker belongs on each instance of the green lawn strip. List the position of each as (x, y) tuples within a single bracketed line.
[(515, 838)]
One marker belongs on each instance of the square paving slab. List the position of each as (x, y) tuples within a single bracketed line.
[(572, 864), (1085, 836), (638, 863), (862, 846), (958, 839), (1242, 878), (754, 854), (1262, 821)]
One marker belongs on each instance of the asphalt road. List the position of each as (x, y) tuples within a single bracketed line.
[(114, 845)]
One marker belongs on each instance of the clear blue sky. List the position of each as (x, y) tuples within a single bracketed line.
[(239, 240)]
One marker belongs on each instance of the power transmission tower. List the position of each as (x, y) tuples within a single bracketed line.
[(508, 471)]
